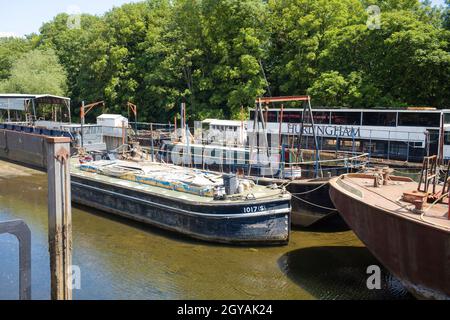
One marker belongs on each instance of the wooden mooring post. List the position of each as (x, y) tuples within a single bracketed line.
[(59, 217)]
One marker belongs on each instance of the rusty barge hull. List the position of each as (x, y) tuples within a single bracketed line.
[(416, 253)]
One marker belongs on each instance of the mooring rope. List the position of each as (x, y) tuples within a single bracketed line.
[(313, 204), (310, 191)]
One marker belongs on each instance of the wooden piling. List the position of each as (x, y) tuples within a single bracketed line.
[(123, 133), (59, 217), (153, 144)]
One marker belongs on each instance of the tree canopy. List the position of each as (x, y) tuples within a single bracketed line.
[(218, 56), (37, 71)]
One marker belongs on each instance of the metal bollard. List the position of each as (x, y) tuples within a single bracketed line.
[(20, 230)]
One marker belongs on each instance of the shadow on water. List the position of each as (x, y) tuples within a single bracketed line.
[(149, 229), (339, 273), (331, 224)]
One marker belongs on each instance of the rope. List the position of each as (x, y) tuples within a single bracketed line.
[(384, 197), (434, 203), (310, 191), (313, 204)]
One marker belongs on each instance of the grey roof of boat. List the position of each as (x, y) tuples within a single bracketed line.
[(7, 100), (30, 96)]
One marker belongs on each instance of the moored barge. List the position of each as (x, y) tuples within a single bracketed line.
[(194, 203), (407, 234)]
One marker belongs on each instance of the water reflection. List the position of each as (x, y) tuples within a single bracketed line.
[(345, 269)]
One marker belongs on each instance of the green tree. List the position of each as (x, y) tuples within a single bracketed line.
[(171, 57), (71, 46), (236, 45), (114, 69), (208, 54), (37, 71), (446, 15), (405, 62), (220, 55), (10, 50), (301, 32)]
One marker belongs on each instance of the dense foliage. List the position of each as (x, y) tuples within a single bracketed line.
[(36, 71), (218, 56)]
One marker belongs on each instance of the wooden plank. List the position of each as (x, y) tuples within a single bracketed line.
[(282, 99)]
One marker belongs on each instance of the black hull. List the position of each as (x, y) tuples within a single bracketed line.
[(311, 202), (223, 223)]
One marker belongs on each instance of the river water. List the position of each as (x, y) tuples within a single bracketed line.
[(120, 259)]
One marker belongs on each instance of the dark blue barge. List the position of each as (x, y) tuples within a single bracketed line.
[(261, 217)]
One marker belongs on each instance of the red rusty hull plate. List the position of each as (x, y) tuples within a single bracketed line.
[(417, 254)]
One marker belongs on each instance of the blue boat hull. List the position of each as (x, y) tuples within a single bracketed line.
[(218, 222)]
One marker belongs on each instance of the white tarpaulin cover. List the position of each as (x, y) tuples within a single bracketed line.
[(12, 104)]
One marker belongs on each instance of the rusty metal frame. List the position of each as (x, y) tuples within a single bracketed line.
[(21, 231), (283, 99), (86, 108)]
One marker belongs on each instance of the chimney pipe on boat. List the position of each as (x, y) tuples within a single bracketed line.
[(230, 184)]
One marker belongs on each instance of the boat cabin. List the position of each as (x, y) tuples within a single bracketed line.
[(406, 135)]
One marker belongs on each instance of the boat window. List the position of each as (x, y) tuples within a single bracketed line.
[(447, 118), (293, 117), (447, 138), (321, 117), (384, 119), (397, 148), (346, 118), (330, 142), (349, 145), (419, 119), (272, 116)]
